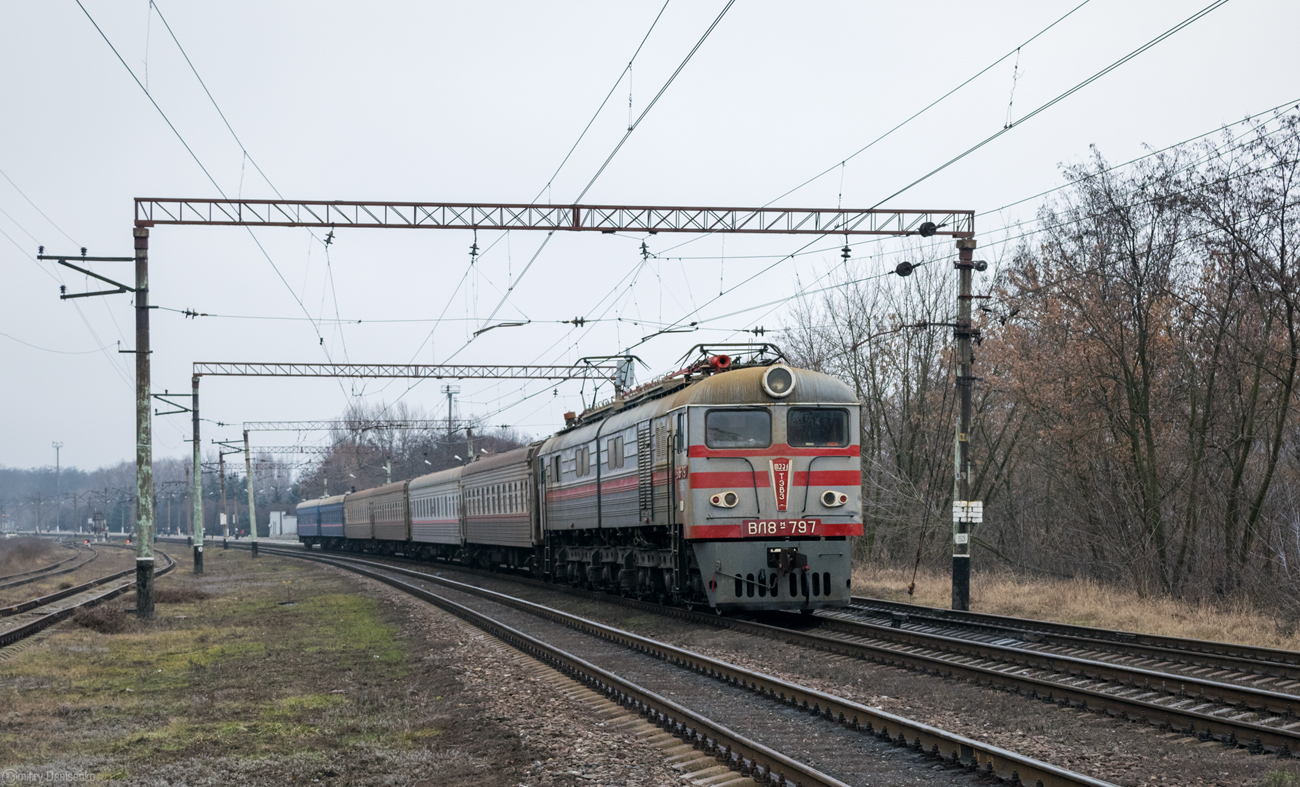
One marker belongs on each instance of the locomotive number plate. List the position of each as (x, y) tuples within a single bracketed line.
[(781, 527)]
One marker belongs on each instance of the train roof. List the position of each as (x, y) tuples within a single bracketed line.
[(736, 387), (396, 486), (319, 502), (484, 463), (440, 477)]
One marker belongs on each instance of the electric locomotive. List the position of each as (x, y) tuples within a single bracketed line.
[(732, 487)]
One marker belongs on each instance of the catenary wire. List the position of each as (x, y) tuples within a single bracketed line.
[(211, 179)]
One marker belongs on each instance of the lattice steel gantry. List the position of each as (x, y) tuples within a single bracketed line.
[(156, 211)]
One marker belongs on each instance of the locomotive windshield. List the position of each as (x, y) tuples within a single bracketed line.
[(738, 429), (806, 426)]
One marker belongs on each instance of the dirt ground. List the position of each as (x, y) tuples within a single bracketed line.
[(271, 672)]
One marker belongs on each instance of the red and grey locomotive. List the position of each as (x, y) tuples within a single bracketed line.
[(735, 487)]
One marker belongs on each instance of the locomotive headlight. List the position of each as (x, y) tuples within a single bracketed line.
[(833, 499), (778, 381), (726, 499)]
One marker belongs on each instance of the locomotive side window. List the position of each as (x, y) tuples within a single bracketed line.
[(614, 450), (738, 428), (813, 426)]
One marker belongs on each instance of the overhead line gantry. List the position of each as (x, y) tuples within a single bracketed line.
[(159, 211)]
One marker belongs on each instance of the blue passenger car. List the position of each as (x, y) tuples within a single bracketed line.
[(331, 521), (320, 522), (308, 521)]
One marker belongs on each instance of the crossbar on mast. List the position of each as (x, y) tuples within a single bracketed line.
[(157, 211)]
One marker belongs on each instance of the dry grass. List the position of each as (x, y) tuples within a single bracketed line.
[(226, 685), (110, 618), (25, 554), (1086, 603), (171, 593)]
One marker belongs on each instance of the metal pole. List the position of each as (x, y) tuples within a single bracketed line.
[(225, 512), (196, 491), (248, 481), (58, 488), (961, 453), (144, 434)]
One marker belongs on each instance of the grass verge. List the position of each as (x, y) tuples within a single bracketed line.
[(263, 671)]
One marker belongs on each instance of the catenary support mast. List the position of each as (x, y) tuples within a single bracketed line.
[(965, 512), (248, 482), (197, 490), (143, 434)]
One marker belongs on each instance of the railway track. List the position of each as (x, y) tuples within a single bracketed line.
[(703, 700), (83, 554), (1196, 657), (22, 620), (1125, 685)]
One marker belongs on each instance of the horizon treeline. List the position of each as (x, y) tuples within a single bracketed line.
[(1135, 412)]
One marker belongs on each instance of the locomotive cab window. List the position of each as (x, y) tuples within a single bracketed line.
[(806, 426), (738, 428)]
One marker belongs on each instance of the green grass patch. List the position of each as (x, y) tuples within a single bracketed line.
[(234, 671)]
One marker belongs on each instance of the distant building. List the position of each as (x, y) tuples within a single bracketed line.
[(283, 524)]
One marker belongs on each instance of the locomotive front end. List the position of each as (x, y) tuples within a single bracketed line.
[(771, 489)]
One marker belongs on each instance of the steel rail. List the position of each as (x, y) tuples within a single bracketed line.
[(45, 621), (40, 601), (1197, 715), (730, 748), (1226, 655), (36, 575), (1247, 697), (932, 741)]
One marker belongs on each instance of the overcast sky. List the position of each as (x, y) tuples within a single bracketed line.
[(442, 101)]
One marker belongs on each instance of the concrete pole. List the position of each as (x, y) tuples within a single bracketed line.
[(961, 451), (58, 489), (225, 514), (248, 480), (196, 491), (144, 523)]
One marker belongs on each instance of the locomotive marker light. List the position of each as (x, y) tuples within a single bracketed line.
[(833, 499), (727, 499)]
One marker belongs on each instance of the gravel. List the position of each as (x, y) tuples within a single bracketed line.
[(847, 755), (1125, 753), (522, 696)]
